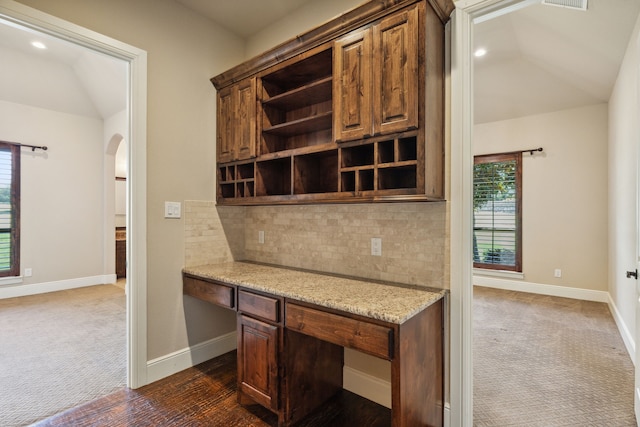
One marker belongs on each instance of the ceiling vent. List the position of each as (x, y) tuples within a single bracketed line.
[(569, 4)]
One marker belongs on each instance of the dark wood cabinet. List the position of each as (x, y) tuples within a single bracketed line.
[(376, 78), (373, 77), (353, 86), (121, 252), (258, 361), (395, 73), (236, 122), (290, 352)]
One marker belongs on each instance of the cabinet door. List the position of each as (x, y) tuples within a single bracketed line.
[(258, 361), (395, 73), (225, 125), (352, 86), (245, 122)]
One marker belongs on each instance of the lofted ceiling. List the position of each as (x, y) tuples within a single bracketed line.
[(547, 58), (539, 59), (63, 77)]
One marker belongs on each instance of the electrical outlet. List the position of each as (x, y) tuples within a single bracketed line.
[(261, 237), (28, 272), (557, 273), (376, 246)]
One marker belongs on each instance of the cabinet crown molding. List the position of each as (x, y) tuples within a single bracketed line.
[(326, 32)]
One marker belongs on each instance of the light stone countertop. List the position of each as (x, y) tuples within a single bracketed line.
[(388, 302)]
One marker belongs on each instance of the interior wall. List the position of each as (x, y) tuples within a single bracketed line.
[(184, 50), (624, 137), (564, 214), (61, 192), (310, 15)]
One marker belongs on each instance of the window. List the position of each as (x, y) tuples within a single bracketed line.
[(497, 212), (9, 209)]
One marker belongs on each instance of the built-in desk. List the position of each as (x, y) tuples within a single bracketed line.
[(293, 325)]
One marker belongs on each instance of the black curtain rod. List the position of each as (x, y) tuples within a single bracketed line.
[(33, 147), (531, 151)]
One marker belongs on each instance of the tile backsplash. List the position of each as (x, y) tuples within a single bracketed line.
[(212, 234), (330, 238)]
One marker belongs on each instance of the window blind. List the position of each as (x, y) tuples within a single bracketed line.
[(496, 212)]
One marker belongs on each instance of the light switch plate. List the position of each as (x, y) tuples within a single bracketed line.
[(172, 209)]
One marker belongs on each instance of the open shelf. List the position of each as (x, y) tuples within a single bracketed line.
[(397, 177), (296, 104), (236, 180), (313, 93), (357, 155), (316, 172), (301, 126), (273, 177), (298, 74)]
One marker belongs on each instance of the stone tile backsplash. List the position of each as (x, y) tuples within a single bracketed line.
[(212, 233), (329, 238)]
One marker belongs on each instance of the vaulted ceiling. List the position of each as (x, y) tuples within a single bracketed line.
[(539, 59), (63, 77), (547, 58)]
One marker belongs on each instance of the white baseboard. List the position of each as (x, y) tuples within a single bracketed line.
[(367, 386), (541, 288), (180, 360), (627, 338), (376, 389), (22, 289)]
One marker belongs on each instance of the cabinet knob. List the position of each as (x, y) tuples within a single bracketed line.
[(633, 274)]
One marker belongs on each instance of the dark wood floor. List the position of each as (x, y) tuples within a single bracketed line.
[(205, 395)]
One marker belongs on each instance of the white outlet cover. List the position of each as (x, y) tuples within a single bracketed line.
[(376, 246)]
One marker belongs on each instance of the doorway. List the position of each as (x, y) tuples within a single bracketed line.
[(135, 131), (463, 45)]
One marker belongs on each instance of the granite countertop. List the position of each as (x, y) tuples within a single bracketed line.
[(391, 303)]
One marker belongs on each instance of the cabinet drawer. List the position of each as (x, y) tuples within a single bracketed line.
[(259, 305), (215, 293), (360, 335)]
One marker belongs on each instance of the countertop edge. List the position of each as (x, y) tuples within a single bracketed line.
[(205, 272)]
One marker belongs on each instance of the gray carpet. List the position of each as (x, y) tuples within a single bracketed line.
[(60, 349), (548, 361)]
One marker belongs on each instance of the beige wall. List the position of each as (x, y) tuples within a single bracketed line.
[(184, 51), (310, 15), (564, 192), (61, 192), (624, 134)]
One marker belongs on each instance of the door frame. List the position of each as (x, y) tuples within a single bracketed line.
[(466, 14), (136, 300)]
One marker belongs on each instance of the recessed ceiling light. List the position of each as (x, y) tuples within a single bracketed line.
[(480, 52), (38, 45)]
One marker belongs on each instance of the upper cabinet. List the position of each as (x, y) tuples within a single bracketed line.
[(352, 111), (353, 86), (236, 121), (395, 73), (376, 78)]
